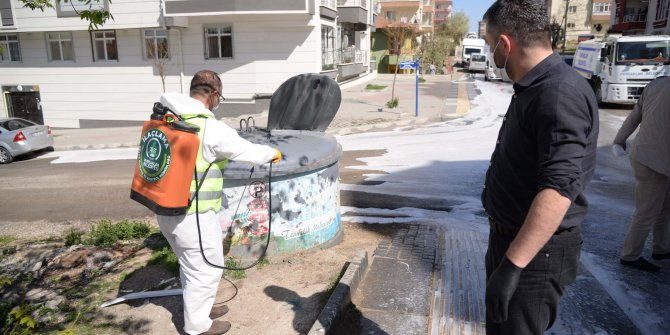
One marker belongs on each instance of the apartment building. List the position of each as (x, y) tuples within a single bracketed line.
[(415, 15), (52, 69), (584, 19), (482, 29), (443, 9), (640, 17)]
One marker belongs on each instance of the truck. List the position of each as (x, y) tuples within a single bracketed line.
[(620, 67), (471, 45)]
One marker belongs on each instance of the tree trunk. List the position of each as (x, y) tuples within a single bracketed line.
[(394, 75)]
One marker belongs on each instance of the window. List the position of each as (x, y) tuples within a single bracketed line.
[(9, 48), (59, 46), (6, 16), (219, 42), (572, 9), (601, 8), (73, 7), (104, 45), (156, 44), (571, 25), (662, 11), (390, 16)]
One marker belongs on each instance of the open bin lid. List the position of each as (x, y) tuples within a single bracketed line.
[(304, 102)]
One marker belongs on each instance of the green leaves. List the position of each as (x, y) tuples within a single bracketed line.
[(96, 17)]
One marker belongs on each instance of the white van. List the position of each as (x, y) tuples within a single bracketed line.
[(477, 63)]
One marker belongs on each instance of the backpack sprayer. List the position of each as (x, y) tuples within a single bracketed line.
[(168, 151)]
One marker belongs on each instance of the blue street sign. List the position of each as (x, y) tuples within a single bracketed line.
[(408, 65)]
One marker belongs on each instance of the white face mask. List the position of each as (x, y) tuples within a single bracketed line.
[(504, 67)]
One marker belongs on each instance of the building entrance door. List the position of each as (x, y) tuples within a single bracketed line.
[(25, 105)]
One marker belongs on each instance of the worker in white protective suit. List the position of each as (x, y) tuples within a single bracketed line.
[(218, 143)]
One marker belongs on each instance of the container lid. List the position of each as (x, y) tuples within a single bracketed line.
[(305, 102)]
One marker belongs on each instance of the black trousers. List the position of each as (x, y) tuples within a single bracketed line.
[(534, 305)]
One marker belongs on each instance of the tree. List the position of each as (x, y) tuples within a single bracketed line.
[(398, 33), (556, 34), (160, 54), (456, 27), (95, 17), (437, 48)]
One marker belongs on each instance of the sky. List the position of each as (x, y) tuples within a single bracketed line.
[(474, 9)]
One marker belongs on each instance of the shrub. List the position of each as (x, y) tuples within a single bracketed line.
[(106, 234), (393, 103), (73, 236), (235, 274), (102, 234)]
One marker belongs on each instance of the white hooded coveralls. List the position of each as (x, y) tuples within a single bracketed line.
[(199, 280)]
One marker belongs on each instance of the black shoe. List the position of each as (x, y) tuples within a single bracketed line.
[(661, 256), (642, 264)]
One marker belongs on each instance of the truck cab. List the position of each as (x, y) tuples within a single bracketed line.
[(620, 67), (471, 45)]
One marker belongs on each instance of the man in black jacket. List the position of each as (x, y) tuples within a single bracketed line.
[(544, 157)]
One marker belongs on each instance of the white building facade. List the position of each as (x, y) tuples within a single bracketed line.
[(53, 70)]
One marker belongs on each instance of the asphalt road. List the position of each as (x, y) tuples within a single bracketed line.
[(33, 189)]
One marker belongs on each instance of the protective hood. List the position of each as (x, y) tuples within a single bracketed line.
[(183, 104), (305, 102)]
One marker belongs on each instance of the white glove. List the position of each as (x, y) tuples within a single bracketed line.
[(618, 150)]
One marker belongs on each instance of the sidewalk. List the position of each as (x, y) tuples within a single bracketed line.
[(398, 288), (361, 110)]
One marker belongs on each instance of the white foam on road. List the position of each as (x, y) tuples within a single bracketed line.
[(87, 156)]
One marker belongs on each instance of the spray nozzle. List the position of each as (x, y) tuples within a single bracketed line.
[(158, 111)]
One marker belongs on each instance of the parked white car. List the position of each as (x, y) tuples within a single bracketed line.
[(477, 63)]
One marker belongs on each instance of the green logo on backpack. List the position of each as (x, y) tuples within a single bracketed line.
[(154, 155)]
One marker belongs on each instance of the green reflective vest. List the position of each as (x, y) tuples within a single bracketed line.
[(211, 189)]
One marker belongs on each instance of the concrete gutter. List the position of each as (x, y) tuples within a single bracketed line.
[(341, 296)]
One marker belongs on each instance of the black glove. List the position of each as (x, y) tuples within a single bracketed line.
[(500, 288)]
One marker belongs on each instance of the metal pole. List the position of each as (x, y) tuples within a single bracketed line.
[(565, 25), (417, 88)]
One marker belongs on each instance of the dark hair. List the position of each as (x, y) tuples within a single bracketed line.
[(205, 82), (526, 21)]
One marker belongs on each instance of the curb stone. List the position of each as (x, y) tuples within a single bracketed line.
[(341, 296)]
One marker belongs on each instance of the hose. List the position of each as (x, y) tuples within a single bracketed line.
[(265, 249)]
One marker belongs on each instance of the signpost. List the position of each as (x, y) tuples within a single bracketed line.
[(413, 65)]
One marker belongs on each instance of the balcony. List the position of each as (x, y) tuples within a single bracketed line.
[(400, 4), (600, 17), (352, 3), (331, 57), (329, 3), (630, 22), (353, 11), (401, 21), (328, 9), (200, 7), (349, 62)]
